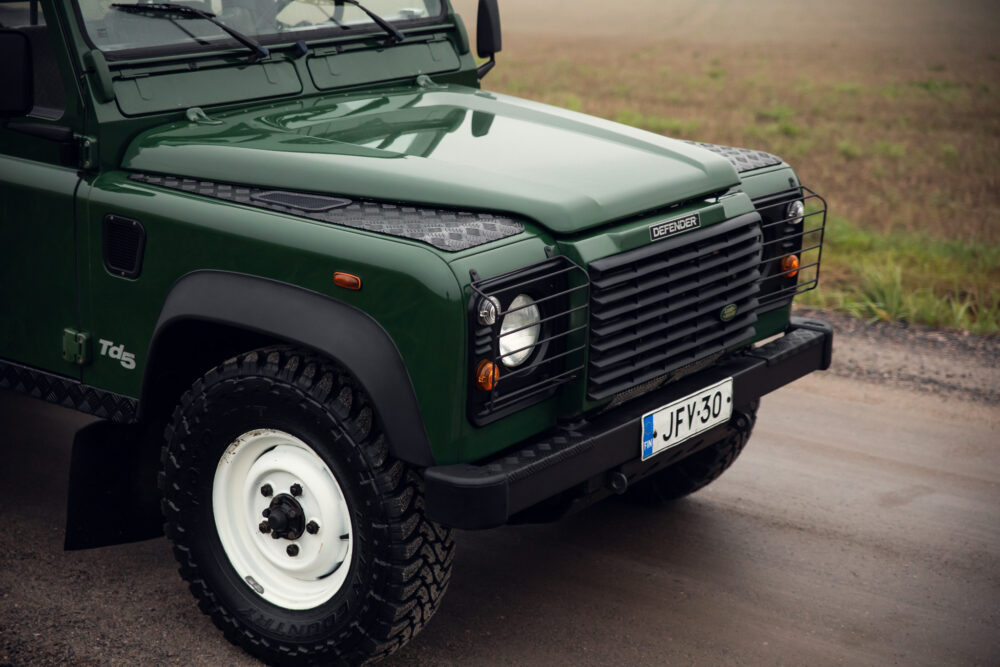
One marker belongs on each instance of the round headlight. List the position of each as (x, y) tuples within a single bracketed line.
[(519, 331), (795, 212)]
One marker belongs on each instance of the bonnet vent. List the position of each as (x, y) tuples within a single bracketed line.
[(301, 201)]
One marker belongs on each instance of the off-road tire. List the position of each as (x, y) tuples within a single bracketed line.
[(698, 470), (401, 564)]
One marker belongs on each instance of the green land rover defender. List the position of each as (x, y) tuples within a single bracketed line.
[(337, 300)]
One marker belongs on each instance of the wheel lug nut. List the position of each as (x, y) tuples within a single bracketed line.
[(296, 490), (312, 527), (266, 512), (266, 491), (265, 527), (292, 550)]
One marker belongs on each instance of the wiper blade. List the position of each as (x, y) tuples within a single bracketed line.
[(396, 35), (163, 9)]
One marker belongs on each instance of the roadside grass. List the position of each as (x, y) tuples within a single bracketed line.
[(908, 277), (906, 148), (894, 149), (674, 127)]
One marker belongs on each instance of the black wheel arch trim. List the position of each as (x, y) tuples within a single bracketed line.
[(302, 317)]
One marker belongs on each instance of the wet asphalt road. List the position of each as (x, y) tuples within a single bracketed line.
[(866, 532)]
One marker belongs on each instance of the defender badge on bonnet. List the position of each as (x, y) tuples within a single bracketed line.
[(662, 230)]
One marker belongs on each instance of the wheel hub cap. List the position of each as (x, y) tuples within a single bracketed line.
[(286, 518)]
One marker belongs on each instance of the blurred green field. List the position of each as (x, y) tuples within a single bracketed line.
[(891, 110)]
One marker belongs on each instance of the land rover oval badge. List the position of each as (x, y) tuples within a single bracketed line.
[(729, 312)]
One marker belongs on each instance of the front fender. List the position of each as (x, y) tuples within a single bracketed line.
[(301, 317)]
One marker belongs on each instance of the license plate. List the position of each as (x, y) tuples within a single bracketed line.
[(683, 419)]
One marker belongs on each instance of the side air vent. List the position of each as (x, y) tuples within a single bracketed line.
[(124, 243), (301, 201)]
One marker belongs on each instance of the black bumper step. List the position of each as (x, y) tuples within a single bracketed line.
[(487, 494)]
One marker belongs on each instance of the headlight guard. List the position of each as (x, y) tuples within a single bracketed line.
[(537, 340)]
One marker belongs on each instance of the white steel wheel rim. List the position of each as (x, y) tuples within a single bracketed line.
[(267, 457)]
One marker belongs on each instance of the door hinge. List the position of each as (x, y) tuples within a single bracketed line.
[(76, 346), (87, 151)]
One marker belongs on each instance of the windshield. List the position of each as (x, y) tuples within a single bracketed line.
[(269, 21)]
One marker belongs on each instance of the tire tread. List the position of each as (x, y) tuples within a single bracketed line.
[(412, 573)]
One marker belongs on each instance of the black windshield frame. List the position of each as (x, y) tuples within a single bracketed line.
[(318, 37)]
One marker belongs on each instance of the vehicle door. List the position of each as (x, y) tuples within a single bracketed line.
[(38, 181)]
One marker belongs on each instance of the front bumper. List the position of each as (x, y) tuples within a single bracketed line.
[(605, 451)]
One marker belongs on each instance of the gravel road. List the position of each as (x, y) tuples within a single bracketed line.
[(860, 526)]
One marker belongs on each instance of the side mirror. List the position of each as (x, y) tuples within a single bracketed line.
[(488, 39), (16, 77)]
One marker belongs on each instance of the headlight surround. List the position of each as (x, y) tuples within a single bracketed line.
[(519, 331), (538, 342)]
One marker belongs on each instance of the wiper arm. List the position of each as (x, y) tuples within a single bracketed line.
[(396, 35), (163, 9)]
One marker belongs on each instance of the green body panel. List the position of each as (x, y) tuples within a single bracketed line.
[(759, 184), (567, 171), (38, 276), (407, 288), (38, 272), (768, 181), (354, 117), (772, 322), (635, 234)]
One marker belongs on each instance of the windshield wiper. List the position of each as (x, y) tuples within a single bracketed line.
[(164, 9), (396, 35)]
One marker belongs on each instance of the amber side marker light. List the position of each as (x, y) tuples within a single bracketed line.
[(790, 266), (487, 375), (347, 281)]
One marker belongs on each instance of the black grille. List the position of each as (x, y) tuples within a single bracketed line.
[(124, 243), (672, 303)]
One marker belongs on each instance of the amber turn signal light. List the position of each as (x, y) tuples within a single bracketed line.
[(487, 375), (347, 281), (790, 266)]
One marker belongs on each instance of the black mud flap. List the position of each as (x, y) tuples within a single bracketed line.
[(113, 498)]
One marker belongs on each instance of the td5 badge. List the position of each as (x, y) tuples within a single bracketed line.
[(109, 349)]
